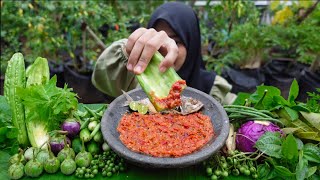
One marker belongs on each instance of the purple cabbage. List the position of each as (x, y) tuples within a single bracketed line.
[(249, 133)]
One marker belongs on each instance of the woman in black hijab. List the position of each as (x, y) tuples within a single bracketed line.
[(174, 31)]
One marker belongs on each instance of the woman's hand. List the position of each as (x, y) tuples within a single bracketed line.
[(142, 45)]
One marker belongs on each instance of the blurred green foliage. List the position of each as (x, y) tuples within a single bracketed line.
[(54, 29), (241, 39)]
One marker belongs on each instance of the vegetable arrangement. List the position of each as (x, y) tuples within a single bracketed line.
[(46, 118), (270, 137)]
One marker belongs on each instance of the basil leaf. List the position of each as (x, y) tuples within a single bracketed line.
[(270, 144), (311, 153), (290, 148), (302, 167), (283, 171)]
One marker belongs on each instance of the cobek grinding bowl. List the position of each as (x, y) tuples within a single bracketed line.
[(211, 108)]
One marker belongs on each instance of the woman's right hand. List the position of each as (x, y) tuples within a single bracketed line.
[(142, 45)]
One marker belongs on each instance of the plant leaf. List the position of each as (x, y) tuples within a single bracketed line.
[(300, 107), (263, 170), (290, 148), (301, 125), (292, 113), (289, 130), (293, 93), (281, 101), (311, 171), (309, 135), (302, 167), (299, 143), (312, 118), (311, 153), (270, 144), (241, 98), (267, 101), (283, 171)]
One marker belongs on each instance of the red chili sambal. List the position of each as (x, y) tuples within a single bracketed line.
[(165, 135), (172, 100)]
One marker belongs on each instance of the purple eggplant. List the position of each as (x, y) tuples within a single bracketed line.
[(57, 143), (72, 126)]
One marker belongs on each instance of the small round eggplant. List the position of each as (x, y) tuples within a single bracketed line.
[(57, 144), (72, 126)]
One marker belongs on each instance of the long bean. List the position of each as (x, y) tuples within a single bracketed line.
[(91, 112), (85, 124), (242, 111), (95, 131)]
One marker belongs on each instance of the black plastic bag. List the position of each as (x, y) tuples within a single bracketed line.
[(244, 80)]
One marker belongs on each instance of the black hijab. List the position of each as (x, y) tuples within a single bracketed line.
[(184, 22)]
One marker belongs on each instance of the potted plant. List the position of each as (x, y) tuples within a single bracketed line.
[(237, 45), (80, 21), (309, 53), (283, 38)]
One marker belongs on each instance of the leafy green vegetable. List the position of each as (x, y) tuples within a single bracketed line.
[(8, 133), (311, 153), (49, 105), (313, 102), (288, 157), (294, 92), (270, 144), (312, 118), (298, 118), (156, 84), (302, 167), (290, 148), (283, 171)]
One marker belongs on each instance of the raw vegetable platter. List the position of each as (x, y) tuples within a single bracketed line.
[(270, 136)]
